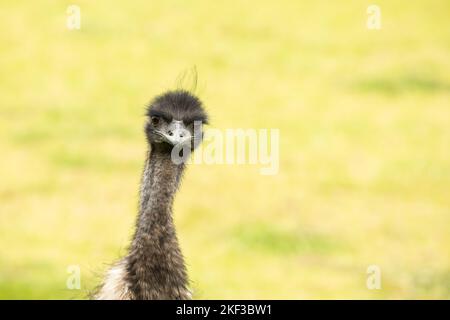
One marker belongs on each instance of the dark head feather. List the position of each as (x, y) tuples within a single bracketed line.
[(178, 105)]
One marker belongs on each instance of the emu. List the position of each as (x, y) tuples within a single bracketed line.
[(154, 266)]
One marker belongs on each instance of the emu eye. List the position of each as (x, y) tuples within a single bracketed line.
[(155, 120)]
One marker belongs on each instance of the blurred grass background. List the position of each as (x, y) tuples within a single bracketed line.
[(364, 119)]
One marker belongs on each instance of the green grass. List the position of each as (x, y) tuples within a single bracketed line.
[(364, 123)]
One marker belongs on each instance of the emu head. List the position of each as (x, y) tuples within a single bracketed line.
[(175, 119)]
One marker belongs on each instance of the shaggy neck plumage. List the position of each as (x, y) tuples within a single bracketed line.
[(155, 264)]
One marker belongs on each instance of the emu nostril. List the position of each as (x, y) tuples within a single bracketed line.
[(170, 133)]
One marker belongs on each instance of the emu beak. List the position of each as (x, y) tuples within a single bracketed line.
[(177, 133)]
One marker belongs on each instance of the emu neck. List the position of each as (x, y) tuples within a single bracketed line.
[(155, 264), (160, 182)]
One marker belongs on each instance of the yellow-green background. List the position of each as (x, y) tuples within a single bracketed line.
[(364, 119)]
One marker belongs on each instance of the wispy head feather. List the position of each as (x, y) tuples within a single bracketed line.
[(187, 80)]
